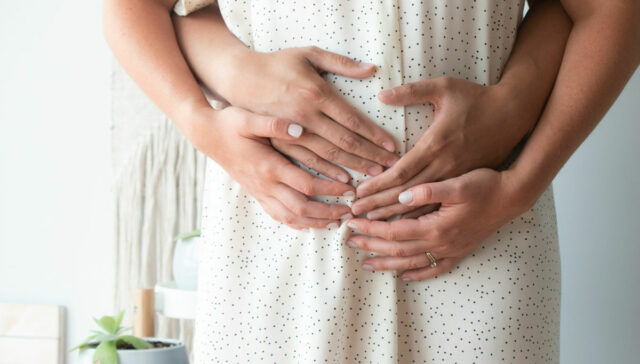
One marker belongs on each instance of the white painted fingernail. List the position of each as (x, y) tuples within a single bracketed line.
[(388, 146), (367, 267), (365, 65), (294, 130), (352, 225), (406, 279), (333, 225), (405, 197), (351, 244), (342, 178), (346, 216), (348, 194)]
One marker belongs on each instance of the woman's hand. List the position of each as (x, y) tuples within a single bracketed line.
[(474, 206), (288, 84), (237, 140), (475, 126)]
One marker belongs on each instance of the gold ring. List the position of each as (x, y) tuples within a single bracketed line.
[(432, 259)]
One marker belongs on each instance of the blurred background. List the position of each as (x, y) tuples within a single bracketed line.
[(56, 193)]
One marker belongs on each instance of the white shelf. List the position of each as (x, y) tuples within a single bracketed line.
[(173, 302)]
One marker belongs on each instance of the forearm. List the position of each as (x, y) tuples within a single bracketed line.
[(532, 68), (602, 53), (208, 45), (140, 34)]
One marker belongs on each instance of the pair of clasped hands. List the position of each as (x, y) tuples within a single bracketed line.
[(446, 190)]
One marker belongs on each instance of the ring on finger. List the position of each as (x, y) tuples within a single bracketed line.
[(432, 259)]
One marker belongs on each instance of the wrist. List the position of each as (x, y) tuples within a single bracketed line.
[(523, 189), (191, 115)]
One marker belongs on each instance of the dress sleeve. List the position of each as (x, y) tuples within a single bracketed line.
[(185, 7)]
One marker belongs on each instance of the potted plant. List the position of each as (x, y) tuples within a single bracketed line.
[(111, 345)]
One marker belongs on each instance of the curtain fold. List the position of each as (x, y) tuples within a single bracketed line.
[(158, 180)]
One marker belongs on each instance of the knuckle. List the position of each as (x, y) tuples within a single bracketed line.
[(299, 209), (312, 93), (411, 90), (311, 161), (391, 235), (352, 122), (349, 142), (399, 251), (333, 153), (307, 188), (401, 174), (341, 60)]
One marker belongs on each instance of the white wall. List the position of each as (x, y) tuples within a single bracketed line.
[(55, 217), (55, 202), (598, 204)]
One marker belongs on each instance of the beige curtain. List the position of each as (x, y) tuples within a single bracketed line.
[(158, 180)]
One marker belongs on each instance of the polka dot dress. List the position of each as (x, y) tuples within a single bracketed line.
[(272, 294)]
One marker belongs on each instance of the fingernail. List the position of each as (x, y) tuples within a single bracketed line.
[(374, 170), (388, 93), (342, 178), (346, 216), (294, 130), (367, 267), (365, 65), (348, 194), (388, 146), (392, 162), (406, 279), (357, 209), (352, 225), (373, 215), (351, 244), (333, 225), (405, 197)]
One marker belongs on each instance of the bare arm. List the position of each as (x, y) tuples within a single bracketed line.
[(602, 53), (141, 36)]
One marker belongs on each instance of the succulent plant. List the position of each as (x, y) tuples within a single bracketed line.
[(109, 339)]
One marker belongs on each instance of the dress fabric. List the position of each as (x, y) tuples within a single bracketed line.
[(272, 294)]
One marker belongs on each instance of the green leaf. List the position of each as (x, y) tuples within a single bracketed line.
[(106, 353), (119, 319), (188, 235), (136, 342), (83, 344), (108, 323), (106, 337), (123, 329)]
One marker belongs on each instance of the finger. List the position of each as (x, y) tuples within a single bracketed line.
[(414, 162), (442, 266), (279, 212), (255, 125), (341, 111), (311, 160), (389, 196), (332, 153), (349, 141), (301, 205), (428, 193), (378, 200), (309, 185), (336, 63), (388, 211), (394, 230), (393, 263), (414, 93), (392, 248), (421, 211)]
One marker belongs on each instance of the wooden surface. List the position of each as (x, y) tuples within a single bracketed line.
[(144, 313), (31, 334)]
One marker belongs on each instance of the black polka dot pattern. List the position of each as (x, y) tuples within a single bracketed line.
[(272, 294)]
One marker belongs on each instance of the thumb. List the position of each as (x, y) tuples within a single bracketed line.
[(429, 193), (339, 64), (270, 127), (412, 93)]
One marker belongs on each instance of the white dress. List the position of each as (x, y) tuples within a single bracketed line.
[(272, 294)]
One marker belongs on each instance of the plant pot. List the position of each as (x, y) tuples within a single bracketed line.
[(174, 354)]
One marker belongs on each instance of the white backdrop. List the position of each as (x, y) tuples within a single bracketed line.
[(55, 211)]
